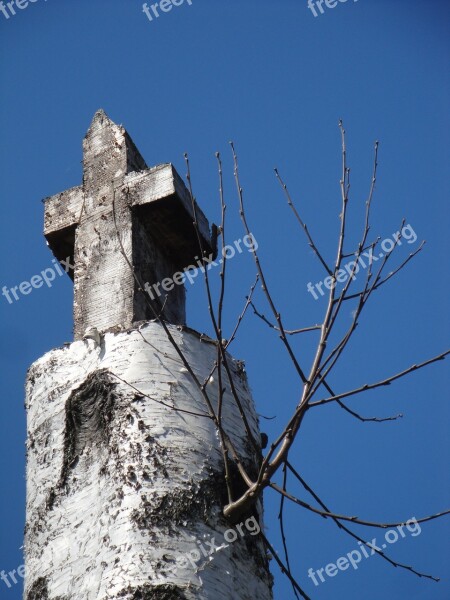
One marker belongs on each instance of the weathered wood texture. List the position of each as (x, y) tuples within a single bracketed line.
[(124, 214), (120, 486)]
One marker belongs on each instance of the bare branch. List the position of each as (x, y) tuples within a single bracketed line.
[(221, 389), (368, 419), (242, 315), (283, 534), (316, 377), (224, 255), (354, 535), (387, 381), (302, 224), (286, 331), (284, 570), (369, 200), (358, 252), (341, 404), (363, 298), (223, 355), (326, 514), (181, 410), (392, 273), (291, 430), (264, 285), (345, 187)]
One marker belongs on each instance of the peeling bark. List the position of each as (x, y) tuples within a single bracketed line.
[(119, 486)]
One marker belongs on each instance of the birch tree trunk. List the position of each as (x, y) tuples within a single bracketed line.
[(125, 475)]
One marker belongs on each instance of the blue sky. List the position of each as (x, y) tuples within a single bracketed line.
[(276, 80)]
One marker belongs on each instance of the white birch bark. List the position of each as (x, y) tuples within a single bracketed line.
[(120, 487)]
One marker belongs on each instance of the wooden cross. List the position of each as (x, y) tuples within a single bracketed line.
[(126, 226)]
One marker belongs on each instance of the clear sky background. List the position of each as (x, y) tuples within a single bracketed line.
[(276, 80)]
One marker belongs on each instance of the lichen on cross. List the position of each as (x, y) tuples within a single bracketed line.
[(125, 226)]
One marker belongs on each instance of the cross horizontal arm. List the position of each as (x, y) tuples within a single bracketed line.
[(166, 206), (61, 217), (63, 210)]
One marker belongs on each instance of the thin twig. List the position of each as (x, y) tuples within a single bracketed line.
[(286, 331), (283, 534), (248, 301), (223, 355), (330, 515), (284, 570), (221, 389), (387, 381), (302, 224), (341, 404), (181, 410), (354, 535), (392, 273), (260, 270)]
